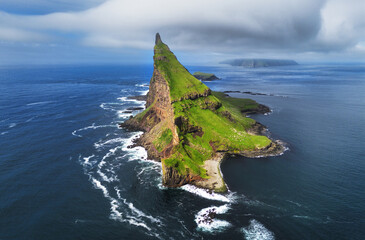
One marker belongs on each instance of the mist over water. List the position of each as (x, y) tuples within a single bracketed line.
[(66, 171)]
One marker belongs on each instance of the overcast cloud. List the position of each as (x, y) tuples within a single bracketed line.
[(304, 29)]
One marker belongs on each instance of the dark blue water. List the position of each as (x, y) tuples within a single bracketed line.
[(66, 171)]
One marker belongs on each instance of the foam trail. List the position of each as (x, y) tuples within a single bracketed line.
[(90, 127), (257, 231), (121, 114), (106, 106), (205, 193), (139, 213), (207, 224), (39, 103), (126, 99), (11, 125), (142, 85), (115, 214), (87, 160), (98, 145)]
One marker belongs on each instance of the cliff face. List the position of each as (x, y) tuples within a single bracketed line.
[(185, 125)]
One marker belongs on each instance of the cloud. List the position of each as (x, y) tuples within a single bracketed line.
[(18, 35), (297, 26)]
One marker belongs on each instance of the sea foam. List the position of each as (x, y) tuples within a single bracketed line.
[(257, 231), (204, 193), (207, 224)]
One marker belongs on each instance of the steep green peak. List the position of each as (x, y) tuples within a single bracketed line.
[(182, 84), (158, 39)]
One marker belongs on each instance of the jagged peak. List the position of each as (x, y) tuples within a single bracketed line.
[(158, 39)]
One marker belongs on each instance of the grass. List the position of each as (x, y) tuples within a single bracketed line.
[(203, 75), (182, 84), (241, 104), (163, 140)]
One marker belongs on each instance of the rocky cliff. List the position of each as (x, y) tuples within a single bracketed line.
[(188, 129)]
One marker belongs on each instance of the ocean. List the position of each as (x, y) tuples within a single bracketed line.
[(66, 171)]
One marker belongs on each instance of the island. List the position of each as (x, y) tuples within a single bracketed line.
[(257, 63), (205, 76), (190, 129)]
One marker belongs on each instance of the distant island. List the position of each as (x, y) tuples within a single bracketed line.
[(257, 63), (190, 129), (205, 76)]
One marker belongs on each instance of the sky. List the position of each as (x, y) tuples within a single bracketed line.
[(201, 32)]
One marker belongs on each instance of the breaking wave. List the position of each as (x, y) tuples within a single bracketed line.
[(207, 222), (257, 231), (206, 193)]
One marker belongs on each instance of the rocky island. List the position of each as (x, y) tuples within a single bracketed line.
[(205, 76), (190, 129), (256, 63)]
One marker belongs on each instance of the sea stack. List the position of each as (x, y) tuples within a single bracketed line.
[(188, 129)]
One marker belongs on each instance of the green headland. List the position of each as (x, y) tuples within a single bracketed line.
[(190, 129)]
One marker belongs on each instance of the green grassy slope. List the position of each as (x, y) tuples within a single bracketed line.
[(241, 104), (182, 83)]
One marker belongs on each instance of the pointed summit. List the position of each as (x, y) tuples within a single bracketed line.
[(158, 39)]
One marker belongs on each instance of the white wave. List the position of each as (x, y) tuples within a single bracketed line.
[(269, 113), (105, 106), (11, 125), (101, 164), (126, 99), (137, 154), (97, 184), (205, 193), (122, 114), (257, 231), (134, 221), (99, 144), (129, 141), (30, 119), (87, 160), (39, 103), (139, 213), (144, 92), (142, 85), (106, 178), (90, 127), (115, 214), (117, 190), (211, 224), (76, 135), (3, 133)]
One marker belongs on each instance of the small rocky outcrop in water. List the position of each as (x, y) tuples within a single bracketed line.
[(189, 129), (205, 76)]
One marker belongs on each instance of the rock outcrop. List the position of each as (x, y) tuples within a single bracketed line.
[(188, 129), (205, 76)]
